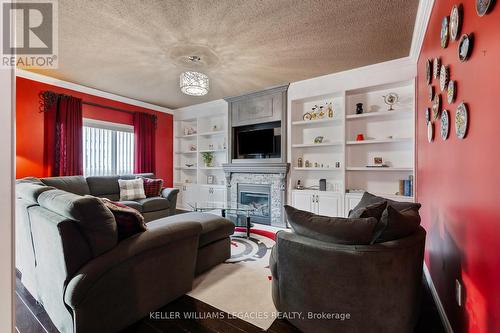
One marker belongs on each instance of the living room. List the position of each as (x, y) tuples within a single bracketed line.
[(249, 166)]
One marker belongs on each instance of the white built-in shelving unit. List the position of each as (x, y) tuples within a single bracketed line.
[(387, 134), (210, 125)]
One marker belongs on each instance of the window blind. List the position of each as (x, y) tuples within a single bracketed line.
[(107, 151)]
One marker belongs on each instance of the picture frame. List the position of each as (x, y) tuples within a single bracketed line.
[(210, 179)]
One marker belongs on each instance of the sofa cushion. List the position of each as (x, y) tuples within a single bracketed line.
[(132, 189), (374, 210), (152, 187), (104, 186), (214, 227), (133, 204), (370, 199), (338, 230), (128, 220), (73, 184), (153, 204), (94, 220), (397, 224)]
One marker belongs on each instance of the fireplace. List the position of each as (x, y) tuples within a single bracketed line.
[(257, 196)]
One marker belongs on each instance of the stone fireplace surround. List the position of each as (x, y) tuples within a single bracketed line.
[(273, 174)]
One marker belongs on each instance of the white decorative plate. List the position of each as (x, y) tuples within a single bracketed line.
[(445, 124), (430, 132), (461, 120), (455, 21)]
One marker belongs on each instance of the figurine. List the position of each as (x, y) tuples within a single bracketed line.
[(299, 162), (330, 110)]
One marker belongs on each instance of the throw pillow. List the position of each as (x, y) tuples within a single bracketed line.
[(128, 220), (370, 199), (152, 187), (396, 224), (374, 210), (132, 189), (337, 230)]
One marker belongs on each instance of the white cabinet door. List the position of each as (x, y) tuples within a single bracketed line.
[(218, 194), (190, 195), (303, 201), (329, 204), (180, 196)]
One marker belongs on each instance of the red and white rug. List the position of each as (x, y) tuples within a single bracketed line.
[(241, 286)]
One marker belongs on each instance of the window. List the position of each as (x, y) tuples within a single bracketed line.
[(108, 148)]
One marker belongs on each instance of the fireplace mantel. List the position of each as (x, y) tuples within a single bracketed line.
[(249, 167)]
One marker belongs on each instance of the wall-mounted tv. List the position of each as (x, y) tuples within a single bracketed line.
[(258, 141)]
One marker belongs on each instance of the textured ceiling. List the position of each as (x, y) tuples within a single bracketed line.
[(138, 48)]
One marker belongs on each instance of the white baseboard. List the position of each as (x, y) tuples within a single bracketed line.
[(442, 313)]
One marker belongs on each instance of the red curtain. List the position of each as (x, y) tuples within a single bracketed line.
[(68, 156), (145, 139)]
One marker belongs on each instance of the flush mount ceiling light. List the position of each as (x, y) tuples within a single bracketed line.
[(194, 83)]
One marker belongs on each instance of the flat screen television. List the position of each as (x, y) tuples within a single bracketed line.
[(257, 142)]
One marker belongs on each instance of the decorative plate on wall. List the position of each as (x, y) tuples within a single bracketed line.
[(436, 66), (464, 47), (455, 21), (444, 32), (427, 116), (445, 124), (483, 6), (431, 93), (436, 106), (461, 120), (428, 71), (444, 77), (430, 132), (451, 92)]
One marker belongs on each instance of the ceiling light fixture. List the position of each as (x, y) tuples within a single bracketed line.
[(194, 83)]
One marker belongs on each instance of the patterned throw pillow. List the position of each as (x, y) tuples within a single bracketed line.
[(152, 187), (131, 189), (128, 220)]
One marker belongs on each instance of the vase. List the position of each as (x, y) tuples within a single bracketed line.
[(359, 108)]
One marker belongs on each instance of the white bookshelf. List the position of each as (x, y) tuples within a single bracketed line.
[(387, 134), (210, 135)]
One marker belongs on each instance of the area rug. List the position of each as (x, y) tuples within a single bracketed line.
[(241, 286)]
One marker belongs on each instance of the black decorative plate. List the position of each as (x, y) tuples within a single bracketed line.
[(444, 77), (455, 21), (431, 93), (436, 106), (465, 47), (444, 32), (428, 71), (483, 6), (427, 115)]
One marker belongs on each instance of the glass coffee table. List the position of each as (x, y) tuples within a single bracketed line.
[(241, 211)]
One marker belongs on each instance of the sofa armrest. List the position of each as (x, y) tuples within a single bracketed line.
[(171, 195), (160, 234)]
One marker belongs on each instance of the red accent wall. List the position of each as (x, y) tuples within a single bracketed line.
[(458, 181), (30, 128)]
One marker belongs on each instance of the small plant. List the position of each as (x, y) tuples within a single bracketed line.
[(208, 158)]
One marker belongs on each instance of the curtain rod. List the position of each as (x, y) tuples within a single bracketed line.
[(107, 107), (48, 97)]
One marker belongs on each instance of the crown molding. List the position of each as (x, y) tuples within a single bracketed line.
[(87, 90), (421, 21)]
